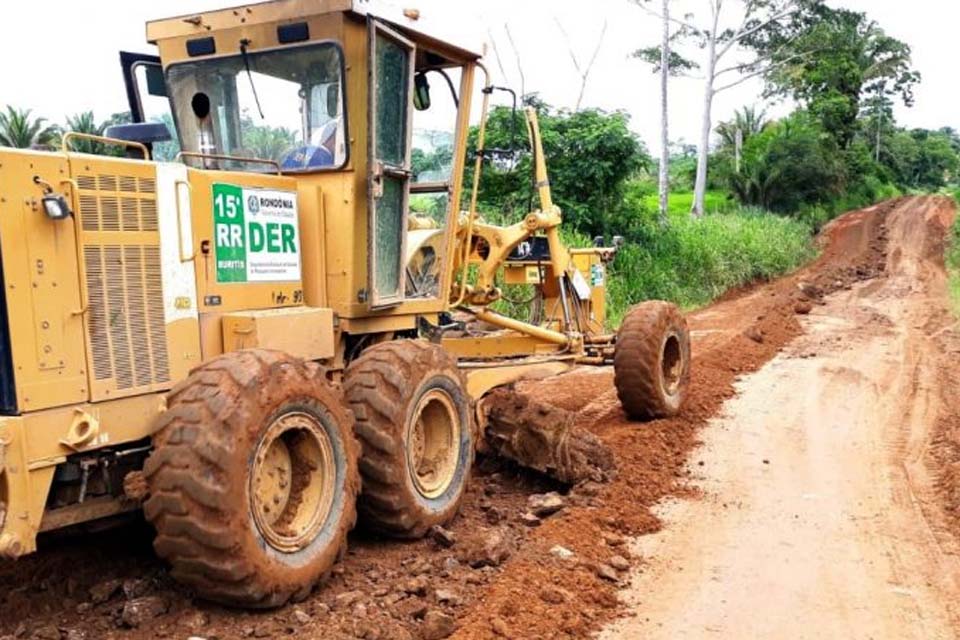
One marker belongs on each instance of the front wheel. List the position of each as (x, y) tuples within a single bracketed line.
[(253, 479), (652, 361)]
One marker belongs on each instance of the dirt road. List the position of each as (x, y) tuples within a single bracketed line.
[(837, 533), (819, 516)]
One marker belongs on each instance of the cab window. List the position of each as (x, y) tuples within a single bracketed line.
[(283, 105), (436, 104)]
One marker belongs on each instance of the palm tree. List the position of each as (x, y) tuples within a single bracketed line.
[(19, 130), (749, 122), (86, 123)]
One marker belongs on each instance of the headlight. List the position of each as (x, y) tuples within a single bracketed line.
[(56, 207)]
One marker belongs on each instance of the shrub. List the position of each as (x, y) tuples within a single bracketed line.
[(693, 261), (786, 166)]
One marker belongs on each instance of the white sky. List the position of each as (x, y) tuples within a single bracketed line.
[(61, 57)]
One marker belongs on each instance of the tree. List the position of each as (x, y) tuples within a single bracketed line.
[(86, 123), (583, 70), (263, 141), (746, 123), (877, 122), (667, 63), (590, 156), (720, 42), (166, 151), (936, 161), (433, 163), (18, 129), (855, 60), (788, 165)]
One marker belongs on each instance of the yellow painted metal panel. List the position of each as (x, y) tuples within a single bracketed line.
[(481, 381), (304, 332), (200, 25), (33, 447), (313, 223), (127, 343), (219, 297), (40, 267), (499, 345)]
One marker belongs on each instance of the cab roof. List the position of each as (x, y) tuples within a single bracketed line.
[(406, 18)]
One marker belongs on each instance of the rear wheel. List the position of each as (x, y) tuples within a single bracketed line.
[(253, 479), (413, 421), (652, 361)]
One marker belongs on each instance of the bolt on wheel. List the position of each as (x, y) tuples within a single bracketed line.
[(414, 422), (292, 483), (435, 443)]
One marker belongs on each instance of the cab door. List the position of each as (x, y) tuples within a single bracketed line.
[(392, 59)]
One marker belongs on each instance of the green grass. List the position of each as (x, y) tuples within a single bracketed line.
[(952, 258), (692, 262), (680, 204)]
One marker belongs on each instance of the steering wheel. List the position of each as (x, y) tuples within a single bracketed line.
[(307, 157)]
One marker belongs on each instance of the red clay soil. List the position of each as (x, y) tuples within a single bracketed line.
[(735, 336), (945, 455), (94, 586)]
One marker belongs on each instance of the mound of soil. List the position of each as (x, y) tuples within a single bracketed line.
[(524, 559)]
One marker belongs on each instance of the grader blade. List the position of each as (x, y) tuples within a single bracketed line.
[(543, 437)]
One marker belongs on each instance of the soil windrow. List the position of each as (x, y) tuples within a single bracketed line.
[(392, 590)]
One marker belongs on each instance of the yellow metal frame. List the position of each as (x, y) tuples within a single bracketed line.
[(74, 135), (219, 156), (67, 412)]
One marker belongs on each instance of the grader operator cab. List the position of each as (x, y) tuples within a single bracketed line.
[(284, 317)]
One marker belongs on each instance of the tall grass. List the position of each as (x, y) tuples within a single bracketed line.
[(952, 259), (680, 204), (691, 262)]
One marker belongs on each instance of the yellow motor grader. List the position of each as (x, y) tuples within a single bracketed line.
[(284, 316)]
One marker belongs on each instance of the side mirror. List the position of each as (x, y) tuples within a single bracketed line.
[(421, 92)]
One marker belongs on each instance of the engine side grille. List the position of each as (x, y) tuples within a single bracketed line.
[(121, 248)]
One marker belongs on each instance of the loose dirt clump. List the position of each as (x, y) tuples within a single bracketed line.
[(494, 572)]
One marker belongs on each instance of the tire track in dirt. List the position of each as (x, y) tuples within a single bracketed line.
[(819, 515), (735, 336), (392, 590)]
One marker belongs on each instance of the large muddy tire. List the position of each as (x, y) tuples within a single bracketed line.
[(413, 421), (253, 479), (652, 361)]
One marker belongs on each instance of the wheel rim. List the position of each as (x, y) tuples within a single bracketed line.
[(433, 438), (292, 481), (671, 364)]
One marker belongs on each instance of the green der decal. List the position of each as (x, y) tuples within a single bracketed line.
[(229, 231), (256, 234)]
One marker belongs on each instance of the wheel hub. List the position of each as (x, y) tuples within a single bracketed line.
[(292, 481), (671, 364), (433, 450)]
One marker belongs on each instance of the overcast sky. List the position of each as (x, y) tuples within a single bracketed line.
[(59, 57)]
